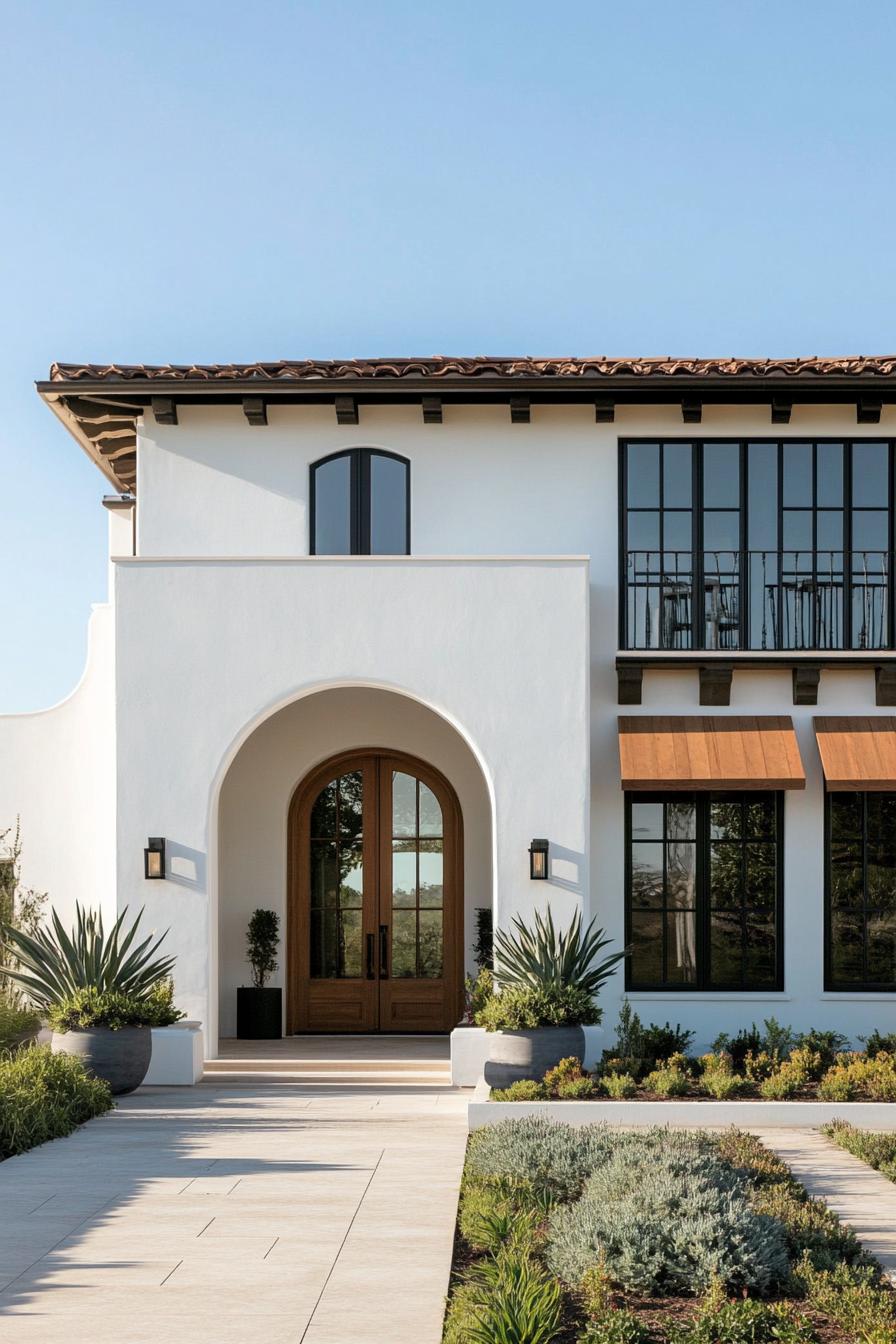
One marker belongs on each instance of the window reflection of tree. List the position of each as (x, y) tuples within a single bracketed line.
[(681, 886), (337, 820)]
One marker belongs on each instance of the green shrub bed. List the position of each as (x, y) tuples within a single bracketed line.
[(45, 1096), (596, 1236), (652, 1063), (878, 1150)]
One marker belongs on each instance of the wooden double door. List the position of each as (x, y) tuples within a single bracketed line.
[(375, 904)]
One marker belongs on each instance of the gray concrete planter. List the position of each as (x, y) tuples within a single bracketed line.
[(120, 1058), (514, 1055)]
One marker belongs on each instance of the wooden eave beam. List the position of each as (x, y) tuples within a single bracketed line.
[(346, 410), (868, 411), (691, 410), (604, 411), (164, 409), (255, 410), (520, 410), (432, 410), (781, 410)]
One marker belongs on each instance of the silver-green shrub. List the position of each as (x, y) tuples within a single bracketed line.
[(539, 1152), (667, 1217)]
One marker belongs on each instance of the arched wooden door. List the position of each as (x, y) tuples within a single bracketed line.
[(375, 933)]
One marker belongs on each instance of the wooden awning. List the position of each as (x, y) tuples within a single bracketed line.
[(731, 752), (857, 754)]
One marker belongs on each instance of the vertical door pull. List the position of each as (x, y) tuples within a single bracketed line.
[(384, 951), (371, 974)]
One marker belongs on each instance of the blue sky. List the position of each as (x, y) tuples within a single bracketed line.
[(201, 181)]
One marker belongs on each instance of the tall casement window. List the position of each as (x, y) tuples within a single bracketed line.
[(861, 891), (757, 545), (361, 504), (703, 890)]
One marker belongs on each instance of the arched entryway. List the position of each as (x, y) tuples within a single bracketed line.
[(375, 897)]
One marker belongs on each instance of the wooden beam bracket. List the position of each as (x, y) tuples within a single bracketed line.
[(432, 410), (346, 410), (520, 410), (604, 411), (806, 677), (691, 411), (781, 409), (715, 683), (868, 411), (255, 410), (885, 684), (629, 677), (165, 410)]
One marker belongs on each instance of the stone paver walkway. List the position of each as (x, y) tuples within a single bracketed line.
[(308, 1214), (859, 1195)]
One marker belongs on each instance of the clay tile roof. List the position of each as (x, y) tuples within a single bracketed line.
[(101, 403), (479, 366)]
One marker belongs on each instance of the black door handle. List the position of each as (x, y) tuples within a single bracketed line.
[(384, 951), (371, 974)]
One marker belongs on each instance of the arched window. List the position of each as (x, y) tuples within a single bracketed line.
[(361, 504)]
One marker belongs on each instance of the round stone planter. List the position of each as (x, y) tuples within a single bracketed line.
[(120, 1058), (514, 1055)]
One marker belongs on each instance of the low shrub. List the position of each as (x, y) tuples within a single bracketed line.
[(45, 1096), (508, 1298), (878, 1150), (746, 1321), (667, 1216), (668, 1081), (576, 1089), (751, 1158), (616, 1326), (519, 1008), (542, 1154), (775, 1042), (860, 1076), (879, 1043), (827, 1045), (17, 1023), (525, 1089), (92, 1007), (790, 1077), (566, 1071), (638, 1049), (811, 1228), (851, 1296), (478, 990), (480, 1207), (619, 1085), (759, 1066), (722, 1086)]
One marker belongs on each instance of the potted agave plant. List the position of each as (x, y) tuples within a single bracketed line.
[(547, 986), (101, 994)]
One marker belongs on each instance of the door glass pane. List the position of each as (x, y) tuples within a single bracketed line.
[(647, 874), (797, 475), (681, 947), (643, 475), (721, 476), (332, 507), (647, 948), (417, 880), (677, 475), (829, 475), (404, 804), (870, 486), (647, 821), (763, 496), (430, 812), (388, 506), (337, 879)]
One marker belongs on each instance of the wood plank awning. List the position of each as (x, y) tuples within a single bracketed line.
[(690, 752), (858, 753)]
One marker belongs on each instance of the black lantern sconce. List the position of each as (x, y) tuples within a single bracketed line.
[(538, 860), (154, 857)]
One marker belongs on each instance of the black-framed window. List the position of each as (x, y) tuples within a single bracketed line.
[(860, 886), (704, 890), (361, 503), (756, 544)]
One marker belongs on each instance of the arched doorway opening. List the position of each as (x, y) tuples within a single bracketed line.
[(375, 909)]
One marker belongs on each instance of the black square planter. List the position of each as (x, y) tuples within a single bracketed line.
[(259, 1014)]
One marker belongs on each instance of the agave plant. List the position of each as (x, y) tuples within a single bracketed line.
[(543, 958), (53, 964)]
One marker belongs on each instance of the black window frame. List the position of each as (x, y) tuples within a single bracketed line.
[(697, 636), (830, 985), (703, 982), (359, 500)]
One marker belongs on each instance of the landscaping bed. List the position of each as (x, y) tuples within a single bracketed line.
[(599, 1236), (45, 1096), (878, 1150)]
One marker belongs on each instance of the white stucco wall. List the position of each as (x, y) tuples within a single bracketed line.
[(255, 797), (57, 773), (209, 649)]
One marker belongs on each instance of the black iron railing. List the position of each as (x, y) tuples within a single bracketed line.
[(757, 600)]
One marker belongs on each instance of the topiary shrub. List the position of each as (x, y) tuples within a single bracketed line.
[(538, 1152), (667, 1217)]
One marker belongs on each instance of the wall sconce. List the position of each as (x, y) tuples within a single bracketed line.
[(154, 857), (538, 860)]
